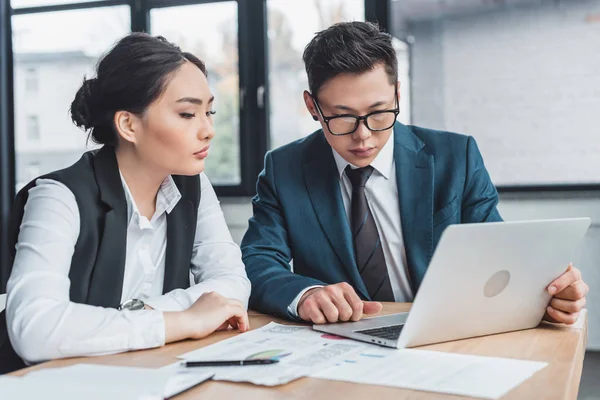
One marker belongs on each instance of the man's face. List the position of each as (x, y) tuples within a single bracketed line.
[(353, 94)]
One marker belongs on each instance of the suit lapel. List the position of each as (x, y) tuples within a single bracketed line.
[(106, 284), (415, 179), (322, 183)]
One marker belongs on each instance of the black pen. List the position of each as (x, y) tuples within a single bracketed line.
[(228, 363)]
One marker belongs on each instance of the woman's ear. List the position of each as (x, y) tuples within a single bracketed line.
[(127, 125)]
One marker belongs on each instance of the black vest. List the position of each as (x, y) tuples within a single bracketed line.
[(98, 263)]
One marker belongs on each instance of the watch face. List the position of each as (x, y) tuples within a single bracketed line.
[(132, 304)]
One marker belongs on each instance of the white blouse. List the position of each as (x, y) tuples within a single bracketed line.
[(44, 324)]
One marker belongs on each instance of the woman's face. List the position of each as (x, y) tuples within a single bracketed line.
[(178, 126)]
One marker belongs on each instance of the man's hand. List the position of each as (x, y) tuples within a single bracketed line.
[(334, 303), (568, 291)]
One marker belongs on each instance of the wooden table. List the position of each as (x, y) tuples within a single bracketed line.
[(561, 346)]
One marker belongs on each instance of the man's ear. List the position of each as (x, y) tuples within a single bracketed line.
[(310, 105), (127, 125)]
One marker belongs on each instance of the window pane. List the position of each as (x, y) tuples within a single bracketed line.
[(31, 80), (34, 3), (33, 128), (403, 55), (49, 65), (291, 25), (210, 31)]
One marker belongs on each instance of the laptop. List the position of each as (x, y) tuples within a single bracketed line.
[(483, 279)]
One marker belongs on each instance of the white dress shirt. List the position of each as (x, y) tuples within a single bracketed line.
[(382, 195), (44, 324)]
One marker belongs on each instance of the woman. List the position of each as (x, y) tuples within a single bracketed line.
[(105, 247)]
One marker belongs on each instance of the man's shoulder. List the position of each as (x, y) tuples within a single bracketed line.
[(440, 141)]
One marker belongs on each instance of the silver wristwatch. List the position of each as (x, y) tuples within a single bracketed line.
[(132, 305)]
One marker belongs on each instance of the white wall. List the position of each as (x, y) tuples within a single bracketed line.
[(513, 207), (237, 211), (524, 81)]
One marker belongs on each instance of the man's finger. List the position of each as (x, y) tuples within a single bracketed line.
[(568, 306), (576, 291), (316, 316), (328, 308), (344, 309), (548, 317), (309, 311), (562, 317), (372, 307), (356, 303), (570, 276)]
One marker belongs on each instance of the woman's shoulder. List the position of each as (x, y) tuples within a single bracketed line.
[(65, 190), (53, 193)]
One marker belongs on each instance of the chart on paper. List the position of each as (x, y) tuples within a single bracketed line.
[(299, 350)]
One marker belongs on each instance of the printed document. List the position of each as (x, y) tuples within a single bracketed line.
[(299, 349), (460, 374)]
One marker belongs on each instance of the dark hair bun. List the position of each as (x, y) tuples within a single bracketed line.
[(129, 77), (83, 107)]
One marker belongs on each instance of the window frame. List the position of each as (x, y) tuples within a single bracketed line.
[(7, 136), (253, 132)]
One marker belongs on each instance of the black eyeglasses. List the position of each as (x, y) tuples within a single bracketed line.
[(346, 124)]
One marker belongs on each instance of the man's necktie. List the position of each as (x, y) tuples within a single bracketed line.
[(367, 244)]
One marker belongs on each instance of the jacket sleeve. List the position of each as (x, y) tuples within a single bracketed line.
[(266, 251), (480, 198)]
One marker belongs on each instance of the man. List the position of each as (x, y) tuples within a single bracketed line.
[(360, 205)]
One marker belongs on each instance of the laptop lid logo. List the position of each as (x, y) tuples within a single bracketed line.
[(496, 284)]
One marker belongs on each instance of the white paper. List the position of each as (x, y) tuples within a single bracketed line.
[(100, 382), (183, 378), (460, 374), (299, 349), (90, 382)]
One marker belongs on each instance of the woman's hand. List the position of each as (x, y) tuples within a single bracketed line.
[(209, 313)]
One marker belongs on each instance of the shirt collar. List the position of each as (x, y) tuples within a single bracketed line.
[(167, 198), (383, 163)]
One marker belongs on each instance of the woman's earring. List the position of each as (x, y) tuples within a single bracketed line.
[(315, 118)]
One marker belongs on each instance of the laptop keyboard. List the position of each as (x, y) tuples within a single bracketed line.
[(391, 332)]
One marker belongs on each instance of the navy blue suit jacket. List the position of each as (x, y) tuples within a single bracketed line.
[(299, 213)]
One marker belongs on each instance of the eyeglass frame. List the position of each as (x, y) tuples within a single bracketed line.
[(359, 118)]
